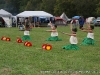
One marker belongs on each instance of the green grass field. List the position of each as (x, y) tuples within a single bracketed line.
[(17, 59)]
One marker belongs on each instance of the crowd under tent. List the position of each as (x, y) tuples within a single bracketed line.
[(5, 18), (36, 15)]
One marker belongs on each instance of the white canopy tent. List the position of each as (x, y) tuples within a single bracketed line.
[(6, 17), (34, 13)]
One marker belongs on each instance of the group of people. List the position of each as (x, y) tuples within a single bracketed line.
[(26, 25), (78, 22), (89, 40)]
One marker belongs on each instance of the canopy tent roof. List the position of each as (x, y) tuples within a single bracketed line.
[(34, 13), (4, 13)]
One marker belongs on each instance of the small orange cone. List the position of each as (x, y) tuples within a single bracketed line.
[(46, 46), (8, 39), (19, 40), (28, 44), (3, 38)]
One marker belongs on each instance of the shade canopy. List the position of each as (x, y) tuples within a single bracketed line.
[(6, 16), (4, 13), (34, 14)]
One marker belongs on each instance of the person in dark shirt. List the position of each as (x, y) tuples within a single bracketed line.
[(81, 22)]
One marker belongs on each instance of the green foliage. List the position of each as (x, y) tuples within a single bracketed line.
[(1, 4), (48, 5), (56, 7), (10, 5), (98, 9), (64, 6), (23, 4), (33, 5), (85, 7)]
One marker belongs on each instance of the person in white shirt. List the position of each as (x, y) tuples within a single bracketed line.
[(26, 36), (73, 40), (54, 33), (89, 40)]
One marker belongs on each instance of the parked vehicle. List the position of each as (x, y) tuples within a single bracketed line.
[(90, 20), (97, 22)]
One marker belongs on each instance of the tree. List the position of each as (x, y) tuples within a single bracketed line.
[(98, 9), (66, 6), (23, 4), (85, 7), (48, 5), (12, 6), (2, 4), (33, 5), (76, 7)]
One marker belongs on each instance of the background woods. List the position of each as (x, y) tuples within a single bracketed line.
[(56, 7)]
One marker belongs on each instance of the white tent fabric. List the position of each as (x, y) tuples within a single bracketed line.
[(34, 13), (64, 17), (7, 21), (6, 17), (4, 13)]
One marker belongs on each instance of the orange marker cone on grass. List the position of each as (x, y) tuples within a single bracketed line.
[(47, 47)]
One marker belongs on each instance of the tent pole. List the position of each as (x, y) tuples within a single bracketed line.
[(16, 21), (34, 22)]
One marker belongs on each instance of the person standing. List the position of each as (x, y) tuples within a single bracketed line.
[(27, 26), (81, 22)]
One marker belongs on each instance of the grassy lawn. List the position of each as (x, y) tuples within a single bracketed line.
[(17, 59)]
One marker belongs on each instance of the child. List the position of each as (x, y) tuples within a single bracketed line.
[(73, 40), (26, 36), (89, 40), (54, 33)]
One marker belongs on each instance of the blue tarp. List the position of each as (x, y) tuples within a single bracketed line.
[(76, 17)]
